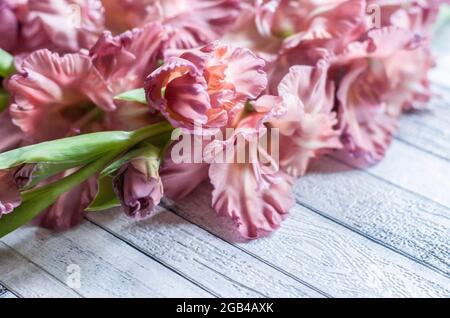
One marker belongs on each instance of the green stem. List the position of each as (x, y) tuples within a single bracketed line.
[(150, 131), (37, 200)]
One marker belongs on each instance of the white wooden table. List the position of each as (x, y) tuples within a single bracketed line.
[(377, 232)]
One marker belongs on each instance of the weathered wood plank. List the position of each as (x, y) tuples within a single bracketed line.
[(411, 169), (108, 266), (401, 220), (331, 257), (27, 279), (217, 265)]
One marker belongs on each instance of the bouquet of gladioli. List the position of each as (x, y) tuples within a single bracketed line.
[(124, 102)]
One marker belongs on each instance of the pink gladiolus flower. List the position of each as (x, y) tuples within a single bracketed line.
[(9, 27), (255, 194), (191, 23), (56, 96), (371, 91), (59, 25), (187, 23), (207, 86), (123, 15), (124, 61), (307, 130)]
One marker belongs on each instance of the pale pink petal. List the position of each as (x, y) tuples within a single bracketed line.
[(54, 96), (367, 125), (61, 25), (307, 130), (125, 60), (123, 15), (193, 23), (237, 195)]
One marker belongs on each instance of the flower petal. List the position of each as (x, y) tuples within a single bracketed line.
[(52, 93)]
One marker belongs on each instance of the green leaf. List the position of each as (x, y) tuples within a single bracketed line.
[(137, 95), (6, 64), (37, 200), (144, 150), (106, 198), (77, 150), (44, 171)]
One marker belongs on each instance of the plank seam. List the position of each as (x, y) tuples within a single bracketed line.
[(41, 268), (171, 209), (159, 261), (9, 289), (421, 149), (399, 187), (231, 280), (374, 240)]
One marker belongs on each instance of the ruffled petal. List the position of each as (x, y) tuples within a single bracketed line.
[(308, 128), (61, 25), (125, 60), (237, 195), (123, 15), (56, 95), (193, 23)]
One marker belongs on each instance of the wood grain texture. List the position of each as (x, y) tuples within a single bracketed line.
[(330, 257), (28, 279), (401, 220), (215, 264), (109, 267), (410, 169)]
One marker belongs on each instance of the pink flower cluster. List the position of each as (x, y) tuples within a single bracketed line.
[(327, 75)]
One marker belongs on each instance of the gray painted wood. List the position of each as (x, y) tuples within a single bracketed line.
[(109, 267), (330, 257), (384, 212), (410, 169), (215, 264), (28, 279)]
